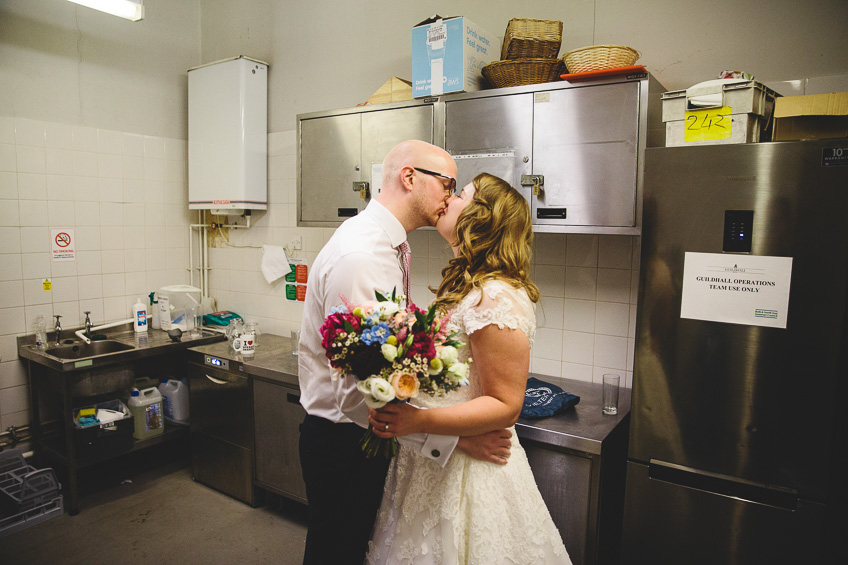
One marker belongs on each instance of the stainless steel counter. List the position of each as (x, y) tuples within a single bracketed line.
[(272, 360), (583, 429), (144, 344)]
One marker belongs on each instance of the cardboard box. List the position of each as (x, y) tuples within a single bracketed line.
[(393, 90), (448, 55), (815, 116)]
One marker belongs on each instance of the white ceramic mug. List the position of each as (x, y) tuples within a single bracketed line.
[(248, 343)]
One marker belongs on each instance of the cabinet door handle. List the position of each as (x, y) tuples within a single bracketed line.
[(216, 381), (551, 213), (293, 398)]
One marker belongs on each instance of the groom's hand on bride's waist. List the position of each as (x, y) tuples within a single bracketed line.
[(492, 446)]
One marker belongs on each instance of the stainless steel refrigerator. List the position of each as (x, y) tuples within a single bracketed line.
[(738, 417)]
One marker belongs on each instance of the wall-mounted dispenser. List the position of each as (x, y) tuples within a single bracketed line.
[(228, 136)]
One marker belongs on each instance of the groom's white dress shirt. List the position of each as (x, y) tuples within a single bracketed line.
[(359, 258)]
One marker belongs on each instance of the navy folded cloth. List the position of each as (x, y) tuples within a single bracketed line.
[(543, 399)]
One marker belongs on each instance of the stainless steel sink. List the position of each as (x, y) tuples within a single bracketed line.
[(83, 350)]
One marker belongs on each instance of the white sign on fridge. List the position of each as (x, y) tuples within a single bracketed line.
[(751, 290)]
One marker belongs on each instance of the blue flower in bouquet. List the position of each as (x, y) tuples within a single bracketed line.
[(376, 334)]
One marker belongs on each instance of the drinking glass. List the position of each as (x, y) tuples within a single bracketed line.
[(610, 393), (295, 341)]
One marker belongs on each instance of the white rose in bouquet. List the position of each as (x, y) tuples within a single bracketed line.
[(382, 392), (458, 372), (377, 391), (389, 351), (448, 354), (387, 309)]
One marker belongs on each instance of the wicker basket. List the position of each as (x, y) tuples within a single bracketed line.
[(516, 72), (527, 39), (599, 57)]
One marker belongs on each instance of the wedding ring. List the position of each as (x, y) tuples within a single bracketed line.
[(387, 427)]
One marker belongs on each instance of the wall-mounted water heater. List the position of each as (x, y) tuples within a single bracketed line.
[(228, 136)]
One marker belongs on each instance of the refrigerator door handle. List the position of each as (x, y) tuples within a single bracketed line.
[(724, 485)]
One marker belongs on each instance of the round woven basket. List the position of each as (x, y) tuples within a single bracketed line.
[(599, 57), (517, 72)]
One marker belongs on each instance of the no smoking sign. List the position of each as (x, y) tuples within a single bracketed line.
[(63, 244)]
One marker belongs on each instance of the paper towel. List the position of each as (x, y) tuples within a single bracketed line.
[(275, 263)]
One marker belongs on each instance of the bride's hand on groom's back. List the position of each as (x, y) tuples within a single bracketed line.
[(493, 447)]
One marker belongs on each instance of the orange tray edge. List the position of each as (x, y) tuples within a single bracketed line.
[(604, 72)]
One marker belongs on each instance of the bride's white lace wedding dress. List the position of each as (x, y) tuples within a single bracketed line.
[(470, 511)]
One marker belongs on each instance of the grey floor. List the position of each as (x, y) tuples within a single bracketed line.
[(160, 515)]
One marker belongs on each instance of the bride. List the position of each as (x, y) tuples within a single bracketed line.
[(470, 511)]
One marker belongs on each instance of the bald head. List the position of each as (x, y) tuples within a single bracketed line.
[(415, 198), (413, 153)]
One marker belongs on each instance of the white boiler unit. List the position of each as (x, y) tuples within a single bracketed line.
[(228, 136)]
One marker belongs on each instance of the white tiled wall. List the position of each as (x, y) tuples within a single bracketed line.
[(587, 313), (589, 283), (124, 195)]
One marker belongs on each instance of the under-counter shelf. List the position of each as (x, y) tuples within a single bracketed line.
[(54, 448), (56, 389)]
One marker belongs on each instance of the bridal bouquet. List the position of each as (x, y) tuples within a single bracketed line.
[(394, 354)]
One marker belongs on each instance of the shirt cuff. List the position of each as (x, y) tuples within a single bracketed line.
[(438, 448)]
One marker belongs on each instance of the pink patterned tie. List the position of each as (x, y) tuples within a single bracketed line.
[(406, 259)]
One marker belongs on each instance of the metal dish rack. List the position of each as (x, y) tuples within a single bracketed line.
[(28, 496)]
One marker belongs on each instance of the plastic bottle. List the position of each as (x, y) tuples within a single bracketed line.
[(40, 332), (139, 316), (146, 408), (153, 311), (174, 400)]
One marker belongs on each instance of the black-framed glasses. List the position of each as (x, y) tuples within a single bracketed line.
[(451, 181)]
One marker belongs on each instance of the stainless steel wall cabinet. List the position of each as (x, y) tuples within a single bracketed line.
[(340, 153), (574, 149)]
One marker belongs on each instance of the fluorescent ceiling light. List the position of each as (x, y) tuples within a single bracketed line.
[(129, 9)]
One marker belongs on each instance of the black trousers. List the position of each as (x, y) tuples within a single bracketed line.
[(344, 490)]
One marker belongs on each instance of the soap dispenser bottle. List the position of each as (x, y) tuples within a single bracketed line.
[(139, 316)]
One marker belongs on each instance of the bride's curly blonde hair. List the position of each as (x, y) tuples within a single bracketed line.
[(494, 239)]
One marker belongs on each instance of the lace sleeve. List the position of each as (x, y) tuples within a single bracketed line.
[(503, 305)]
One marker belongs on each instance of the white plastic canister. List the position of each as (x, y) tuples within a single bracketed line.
[(146, 408), (175, 301), (174, 400)]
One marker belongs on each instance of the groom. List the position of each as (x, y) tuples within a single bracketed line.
[(344, 488)]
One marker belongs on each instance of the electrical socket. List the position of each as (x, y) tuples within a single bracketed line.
[(296, 243)]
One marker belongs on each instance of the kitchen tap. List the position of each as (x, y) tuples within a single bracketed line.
[(58, 329), (87, 324)]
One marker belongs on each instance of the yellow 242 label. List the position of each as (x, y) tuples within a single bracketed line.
[(712, 123)]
